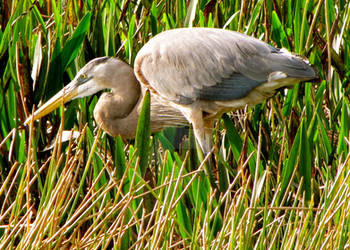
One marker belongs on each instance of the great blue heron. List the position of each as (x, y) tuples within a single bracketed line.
[(205, 72), (202, 72), (116, 112)]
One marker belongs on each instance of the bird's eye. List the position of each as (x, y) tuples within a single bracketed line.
[(82, 78)]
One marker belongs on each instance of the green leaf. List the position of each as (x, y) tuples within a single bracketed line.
[(73, 45), (304, 28), (342, 147), (288, 103), (291, 163), (5, 39), (131, 32), (54, 80), (143, 133), (223, 177), (308, 102), (201, 19), (166, 21), (40, 19), (233, 137), (254, 17), (120, 158), (154, 17), (298, 10), (166, 144), (58, 18), (324, 138), (305, 160), (278, 33)]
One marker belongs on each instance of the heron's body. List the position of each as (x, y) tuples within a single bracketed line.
[(198, 72), (205, 72)]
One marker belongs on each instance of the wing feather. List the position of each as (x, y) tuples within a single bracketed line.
[(185, 65)]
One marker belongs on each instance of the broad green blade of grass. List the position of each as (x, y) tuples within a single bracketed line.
[(281, 188), (73, 45), (233, 137), (119, 157), (143, 132), (278, 33), (129, 45)]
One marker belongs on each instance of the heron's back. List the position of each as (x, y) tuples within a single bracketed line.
[(204, 64)]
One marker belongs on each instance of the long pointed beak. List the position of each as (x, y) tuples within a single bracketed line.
[(63, 96)]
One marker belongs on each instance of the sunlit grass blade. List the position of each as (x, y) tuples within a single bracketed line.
[(283, 165)]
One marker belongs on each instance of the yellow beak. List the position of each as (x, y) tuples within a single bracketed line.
[(65, 95)]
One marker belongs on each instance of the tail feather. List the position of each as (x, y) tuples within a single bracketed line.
[(292, 65)]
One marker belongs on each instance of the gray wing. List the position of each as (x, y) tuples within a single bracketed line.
[(185, 65)]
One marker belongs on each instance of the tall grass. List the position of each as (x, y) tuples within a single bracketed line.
[(282, 166)]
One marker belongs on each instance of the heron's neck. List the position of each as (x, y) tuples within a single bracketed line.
[(125, 95), (115, 112)]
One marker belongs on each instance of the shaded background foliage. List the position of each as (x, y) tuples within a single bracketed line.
[(295, 145)]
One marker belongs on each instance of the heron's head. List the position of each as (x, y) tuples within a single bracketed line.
[(100, 73)]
